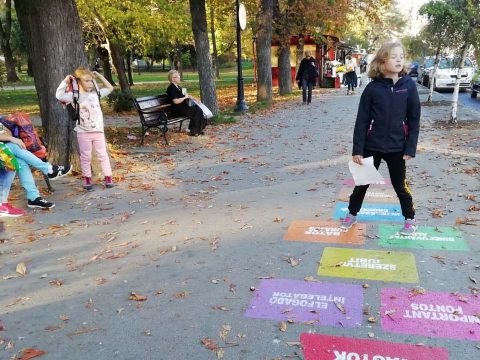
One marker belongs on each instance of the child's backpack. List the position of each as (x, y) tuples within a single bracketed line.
[(73, 108), (21, 127)]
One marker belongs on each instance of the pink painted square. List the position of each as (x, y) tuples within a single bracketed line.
[(435, 314)]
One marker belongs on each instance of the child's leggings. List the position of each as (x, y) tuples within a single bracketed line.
[(397, 170), (93, 140)]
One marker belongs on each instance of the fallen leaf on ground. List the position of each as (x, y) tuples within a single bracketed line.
[(340, 307), (210, 344), (81, 331), (136, 297), (417, 291), (283, 326), (26, 354), (223, 333), (293, 261), (311, 279), (21, 268), (56, 282)]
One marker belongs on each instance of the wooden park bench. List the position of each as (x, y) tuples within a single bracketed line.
[(156, 112)]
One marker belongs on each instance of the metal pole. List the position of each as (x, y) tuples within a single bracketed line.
[(241, 105)]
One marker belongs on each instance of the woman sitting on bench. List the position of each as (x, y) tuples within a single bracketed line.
[(181, 106)]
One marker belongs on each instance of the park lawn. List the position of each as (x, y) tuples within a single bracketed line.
[(26, 100)]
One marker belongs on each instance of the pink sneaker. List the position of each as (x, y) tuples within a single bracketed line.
[(7, 210), (87, 183), (108, 182)]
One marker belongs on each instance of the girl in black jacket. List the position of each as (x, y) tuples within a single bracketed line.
[(306, 75), (387, 128)]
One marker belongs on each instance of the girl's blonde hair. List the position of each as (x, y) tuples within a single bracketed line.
[(171, 73), (377, 66), (81, 71)]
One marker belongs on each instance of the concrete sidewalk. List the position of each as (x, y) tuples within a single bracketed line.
[(196, 227)]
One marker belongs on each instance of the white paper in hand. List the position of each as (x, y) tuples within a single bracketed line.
[(366, 173)]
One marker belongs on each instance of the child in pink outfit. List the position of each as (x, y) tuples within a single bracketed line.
[(90, 134)]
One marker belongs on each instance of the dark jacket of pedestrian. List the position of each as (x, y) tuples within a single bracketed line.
[(307, 69), (388, 118)]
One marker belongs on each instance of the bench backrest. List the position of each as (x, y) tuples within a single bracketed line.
[(150, 103)]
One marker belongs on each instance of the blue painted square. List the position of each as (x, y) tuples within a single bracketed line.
[(372, 212)]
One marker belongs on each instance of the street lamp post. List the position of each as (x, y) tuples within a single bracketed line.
[(241, 106)]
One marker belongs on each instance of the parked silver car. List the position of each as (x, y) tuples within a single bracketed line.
[(446, 74)]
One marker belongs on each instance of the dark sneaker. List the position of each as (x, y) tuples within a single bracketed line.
[(87, 183), (59, 171), (6, 210), (108, 182), (348, 222), (40, 203), (409, 227)]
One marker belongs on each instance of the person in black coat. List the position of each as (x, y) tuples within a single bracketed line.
[(306, 76), (181, 107)]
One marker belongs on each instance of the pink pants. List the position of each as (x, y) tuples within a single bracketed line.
[(93, 140)]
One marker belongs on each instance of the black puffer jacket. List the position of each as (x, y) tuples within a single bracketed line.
[(388, 118)]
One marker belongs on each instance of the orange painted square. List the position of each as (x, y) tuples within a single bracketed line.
[(325, 232)]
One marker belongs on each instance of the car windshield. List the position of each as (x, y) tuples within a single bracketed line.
[(447, 63)]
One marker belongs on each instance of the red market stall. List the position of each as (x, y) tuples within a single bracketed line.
[(325, 49)]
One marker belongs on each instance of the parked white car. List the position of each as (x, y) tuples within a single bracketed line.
[(446, 73)]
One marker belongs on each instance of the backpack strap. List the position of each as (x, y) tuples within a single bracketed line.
[(76, 95)]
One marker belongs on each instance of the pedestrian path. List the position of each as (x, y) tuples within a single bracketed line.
[(405, 306)]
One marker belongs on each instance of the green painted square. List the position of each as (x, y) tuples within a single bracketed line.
[(368, 264), (426, 237)]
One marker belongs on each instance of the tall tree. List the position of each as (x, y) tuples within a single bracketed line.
[(264, 49), (5, 32), (208, 90), (467, 31), (55, 48), (438, 32)]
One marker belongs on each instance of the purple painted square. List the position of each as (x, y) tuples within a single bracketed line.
[(437, 314), (302, 301)]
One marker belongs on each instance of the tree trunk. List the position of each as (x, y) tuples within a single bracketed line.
[(53, 55), (117, 58), (453, 115), (284, 69), (214, 42), (208, 92), (104, 56), (432, 79), (5, 32), (129, 68), (264, 46)]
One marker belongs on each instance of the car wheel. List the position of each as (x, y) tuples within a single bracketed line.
[(425, 81), (473, 94)]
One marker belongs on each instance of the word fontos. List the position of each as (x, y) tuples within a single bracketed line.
[(439, 312)]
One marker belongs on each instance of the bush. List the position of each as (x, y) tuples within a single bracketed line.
[(120, 100)]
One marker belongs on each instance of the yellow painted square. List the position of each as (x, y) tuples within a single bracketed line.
[(369, 264)]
